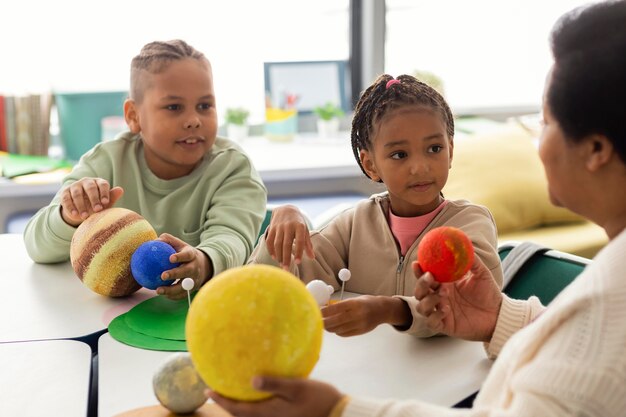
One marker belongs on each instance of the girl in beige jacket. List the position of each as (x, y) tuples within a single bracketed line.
[(402, 136)]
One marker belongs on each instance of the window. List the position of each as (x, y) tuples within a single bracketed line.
[(71, 45), (489, 53)]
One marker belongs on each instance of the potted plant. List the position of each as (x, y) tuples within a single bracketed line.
[(328, 119), (237, 123), (431, 79)]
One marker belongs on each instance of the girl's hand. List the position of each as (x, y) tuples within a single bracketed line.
[(195, 264), (294, 397), (467, 308), (87, 196), (363, 314), (287, 226)]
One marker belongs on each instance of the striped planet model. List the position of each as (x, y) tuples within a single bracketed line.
[(101, 249)]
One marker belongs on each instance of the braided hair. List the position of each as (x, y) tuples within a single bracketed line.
[(382, 97), (154, 57)]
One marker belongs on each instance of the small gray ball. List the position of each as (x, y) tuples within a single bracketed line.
[(178, 386)]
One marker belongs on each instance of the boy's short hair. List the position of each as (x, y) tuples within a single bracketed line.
[(153, 58)]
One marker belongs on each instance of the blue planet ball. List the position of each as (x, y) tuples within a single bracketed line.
[(149, 261)]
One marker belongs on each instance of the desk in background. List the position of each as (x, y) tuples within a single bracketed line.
[(308, 165), (305, 166), (17, 198)]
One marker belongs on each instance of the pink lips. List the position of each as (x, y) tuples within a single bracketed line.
[(422, 186)]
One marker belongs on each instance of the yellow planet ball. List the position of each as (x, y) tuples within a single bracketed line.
[(102, 246), (249, 321)]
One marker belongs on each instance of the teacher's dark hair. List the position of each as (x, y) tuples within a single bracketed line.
[(587, 89)]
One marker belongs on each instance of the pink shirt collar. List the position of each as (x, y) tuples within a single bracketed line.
[(407, 229)]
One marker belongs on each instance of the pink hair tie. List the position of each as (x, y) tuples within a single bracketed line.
[(392, 82)]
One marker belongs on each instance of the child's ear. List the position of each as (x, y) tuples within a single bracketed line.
[(451, 150), (131, 116), (368, 165)]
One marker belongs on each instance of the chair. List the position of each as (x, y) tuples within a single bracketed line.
[(539, 271), (266, 222), (530, 269)]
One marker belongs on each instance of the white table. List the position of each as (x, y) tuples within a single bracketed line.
[(125, 376), (44, 378), (383, 363), (49, 301)]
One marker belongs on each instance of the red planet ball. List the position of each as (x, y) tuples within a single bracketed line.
[(446, 252)]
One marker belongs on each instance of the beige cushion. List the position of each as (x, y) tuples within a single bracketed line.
[(583, 239), (502, 171)]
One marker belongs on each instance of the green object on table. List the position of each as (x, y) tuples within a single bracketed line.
[(14, 165), (159, 317), (120, 331)]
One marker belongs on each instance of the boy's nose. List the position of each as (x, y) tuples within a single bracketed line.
[(192, 123)]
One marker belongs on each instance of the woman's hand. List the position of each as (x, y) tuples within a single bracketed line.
[(467, 308), (293, 397), (288, 226)]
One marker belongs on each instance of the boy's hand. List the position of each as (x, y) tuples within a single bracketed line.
[(294, 397), (85, 197), (288, 225), (195, 264), (362, 314), (467, 308)]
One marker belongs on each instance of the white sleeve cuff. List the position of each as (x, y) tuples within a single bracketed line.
[(513, 316)]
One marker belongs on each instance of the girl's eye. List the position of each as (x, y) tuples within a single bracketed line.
[(173, 107), (398, 155), (204, 106), (435, 148)]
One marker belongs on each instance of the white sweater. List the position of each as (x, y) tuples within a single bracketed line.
[(568, 360)]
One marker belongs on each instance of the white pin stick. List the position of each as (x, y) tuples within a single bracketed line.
[(188, 285), (344, 275)]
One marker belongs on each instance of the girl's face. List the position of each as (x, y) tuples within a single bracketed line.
[(411, 153), (177, 117)]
